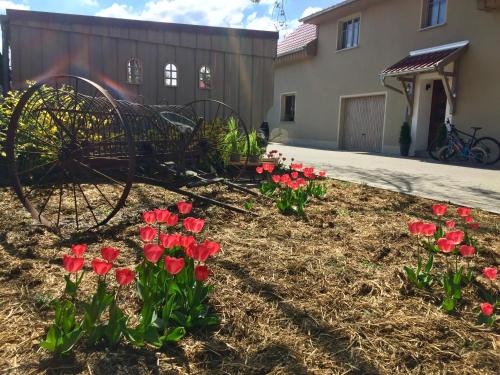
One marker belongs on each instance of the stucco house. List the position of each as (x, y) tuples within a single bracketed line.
[(351, 74)]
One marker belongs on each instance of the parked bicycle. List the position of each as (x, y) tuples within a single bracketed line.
[(456, 144)]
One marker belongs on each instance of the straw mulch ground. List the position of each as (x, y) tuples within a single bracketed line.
[(322, 295)]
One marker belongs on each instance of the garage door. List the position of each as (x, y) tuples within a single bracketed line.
[(363, 123)]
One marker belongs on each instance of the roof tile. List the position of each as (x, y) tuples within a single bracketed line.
[(297, 39)]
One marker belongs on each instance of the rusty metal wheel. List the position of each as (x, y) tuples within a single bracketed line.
[(207, 147), (70, 155)]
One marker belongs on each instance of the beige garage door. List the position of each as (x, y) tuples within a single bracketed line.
[(363, 123)]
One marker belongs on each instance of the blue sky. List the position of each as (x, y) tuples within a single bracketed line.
[(230, 13)]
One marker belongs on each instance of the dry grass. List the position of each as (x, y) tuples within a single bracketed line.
[(322, 295)]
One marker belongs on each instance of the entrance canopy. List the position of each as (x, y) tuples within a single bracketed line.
[(428, 60)]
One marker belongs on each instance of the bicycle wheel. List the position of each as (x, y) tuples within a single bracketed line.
[(440, 150), (490, 147)]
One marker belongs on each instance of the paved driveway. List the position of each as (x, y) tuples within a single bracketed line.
[(462, 185)]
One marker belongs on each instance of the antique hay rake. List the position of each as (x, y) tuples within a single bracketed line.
[(73, 151)]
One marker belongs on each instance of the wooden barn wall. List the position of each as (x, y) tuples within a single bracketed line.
[(242, 66)]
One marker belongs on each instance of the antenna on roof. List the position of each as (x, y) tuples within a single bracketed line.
[(279, 13)]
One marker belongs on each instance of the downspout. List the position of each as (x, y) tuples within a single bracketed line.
[(5, 73)]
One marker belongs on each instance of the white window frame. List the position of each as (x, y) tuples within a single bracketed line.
[(134, 71), (426, 17), (171, 75), (340, 32), (205, 74), (283, 107)]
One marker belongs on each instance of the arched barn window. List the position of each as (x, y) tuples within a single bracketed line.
[(205, 78), (134, 71), (171, 75)]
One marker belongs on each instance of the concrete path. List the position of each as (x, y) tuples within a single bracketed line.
[(461, 185)]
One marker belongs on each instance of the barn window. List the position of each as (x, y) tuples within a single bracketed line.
[(134, 71), (171, 75), (205, 78)]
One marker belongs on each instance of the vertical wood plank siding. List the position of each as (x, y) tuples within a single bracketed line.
[(241, 65)]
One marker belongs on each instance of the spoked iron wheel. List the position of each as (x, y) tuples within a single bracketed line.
[(220, 135), (70, 155)]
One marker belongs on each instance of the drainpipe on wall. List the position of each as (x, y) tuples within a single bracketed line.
[(5, 73)]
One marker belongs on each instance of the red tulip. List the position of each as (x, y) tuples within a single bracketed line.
[(72, 264), (101, 267), (439, 209), (456, 237), (296, 167), (259, 170), (415, 227), (268, 167), (445, 245), (169, 241), (322, 173), (463, 211), (184, 207), (309, 170), (428, 229), (294, 174), (171, 220), (294, 185), (201, 273), (124, 276), (285, 178), (449, 224), (466, 251), (486, 308), (161, 215), (301, 181), (153, 252), (193, 225), (467, 219), (110, 254), (147, 234), (474, 226), (213, 247), (174, 265), (198, 252), (490, 273), (78, 250), (186, 241), (276, 178), (149, 217)]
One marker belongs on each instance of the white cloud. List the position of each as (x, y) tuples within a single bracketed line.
[(92, 3), (261, 23), (212, 12), (310, 10), (118, 11), (12, 5)]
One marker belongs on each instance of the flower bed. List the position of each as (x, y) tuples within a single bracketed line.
[(322, 295), (291, 186), (170, 286), (455, 243)]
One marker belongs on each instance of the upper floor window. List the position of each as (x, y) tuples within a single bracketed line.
[(349, 33), (134, 71), (434, 13), (205, 78), (171, 75)]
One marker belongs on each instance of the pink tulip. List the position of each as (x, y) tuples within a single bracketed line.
[(445, 245), (439, 209), (486, 308), (174, 265), (490, 273), (153, 252), (147, 234), (456, 237), (466, 251)]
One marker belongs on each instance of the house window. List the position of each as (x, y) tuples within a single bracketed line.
[(134, 71), (434, 13), (205, 78), (288, 107), (349, 33), (171, 75)]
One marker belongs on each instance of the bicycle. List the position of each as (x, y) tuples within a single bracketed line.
[(484, 150)]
